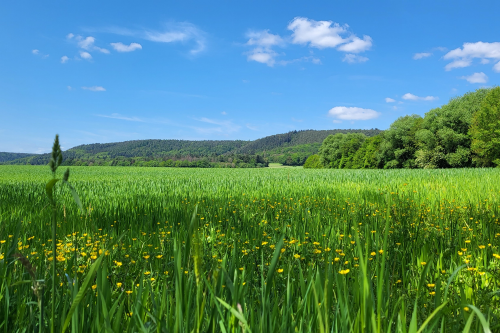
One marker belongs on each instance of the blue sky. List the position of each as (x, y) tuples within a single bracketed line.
[(107, 71)]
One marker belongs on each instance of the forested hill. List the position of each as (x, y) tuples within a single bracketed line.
[(5, 157), (296, 138), (139, 152)]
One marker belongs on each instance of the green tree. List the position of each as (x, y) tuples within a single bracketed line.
[(337, 151), (397, 149), (367, 155), (443, 140), (313, 162), (485, 130)]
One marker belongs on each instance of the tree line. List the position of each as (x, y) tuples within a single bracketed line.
[(463, 133)]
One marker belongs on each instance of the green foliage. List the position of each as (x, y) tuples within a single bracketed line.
[(337, 151), (295, 138), (367, 155), (443, 139), (313, 162), (397, 150), (485, 130)]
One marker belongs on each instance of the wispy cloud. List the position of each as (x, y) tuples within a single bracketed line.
[(94, 88), (251, 127), (64, 59), (354, 58), (173, 32), (87, 43), (389, 100), (223, 126), (422, 55), (38, 53), (122, 117), (411, 97)]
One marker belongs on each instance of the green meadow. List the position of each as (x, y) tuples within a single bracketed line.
[(250, 250)]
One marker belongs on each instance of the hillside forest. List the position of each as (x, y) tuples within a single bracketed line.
[(292, 148)]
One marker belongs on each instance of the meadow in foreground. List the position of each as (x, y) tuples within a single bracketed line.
[(251, 250)]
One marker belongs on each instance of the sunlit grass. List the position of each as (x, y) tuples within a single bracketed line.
[(325, 230)]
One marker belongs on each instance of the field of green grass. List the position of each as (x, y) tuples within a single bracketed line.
[(251, 250)]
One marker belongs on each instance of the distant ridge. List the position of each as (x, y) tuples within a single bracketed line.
[(306, 141), (5, 157)]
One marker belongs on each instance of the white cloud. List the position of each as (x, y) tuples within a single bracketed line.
[(316, 34), (460, 63), (263, 38), (357, 45), (94, 88), (263, 42), (389, 100), (120, 47), (411, 97), (35, 51), (496, 68), (325, 34), (319, 34), (476, 78), (353, 58), (421, 55), (64, 59), (85, 43), (263, 55), (85, 55), (70, 35), (69, 88), (88, 44), (352, 113), (462, 57)]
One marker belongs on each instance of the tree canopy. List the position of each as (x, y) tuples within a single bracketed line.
[(463, 133)]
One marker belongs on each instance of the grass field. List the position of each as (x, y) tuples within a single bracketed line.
[(251, 250)]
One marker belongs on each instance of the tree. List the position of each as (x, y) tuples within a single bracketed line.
[(397, 149), (367, 155), (313, 162), (485, 130), (337, 151), (443, 140)]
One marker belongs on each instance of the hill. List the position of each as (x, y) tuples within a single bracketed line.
[(5, 157), (290, 148)]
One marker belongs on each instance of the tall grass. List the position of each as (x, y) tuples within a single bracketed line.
[(283, 250)]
